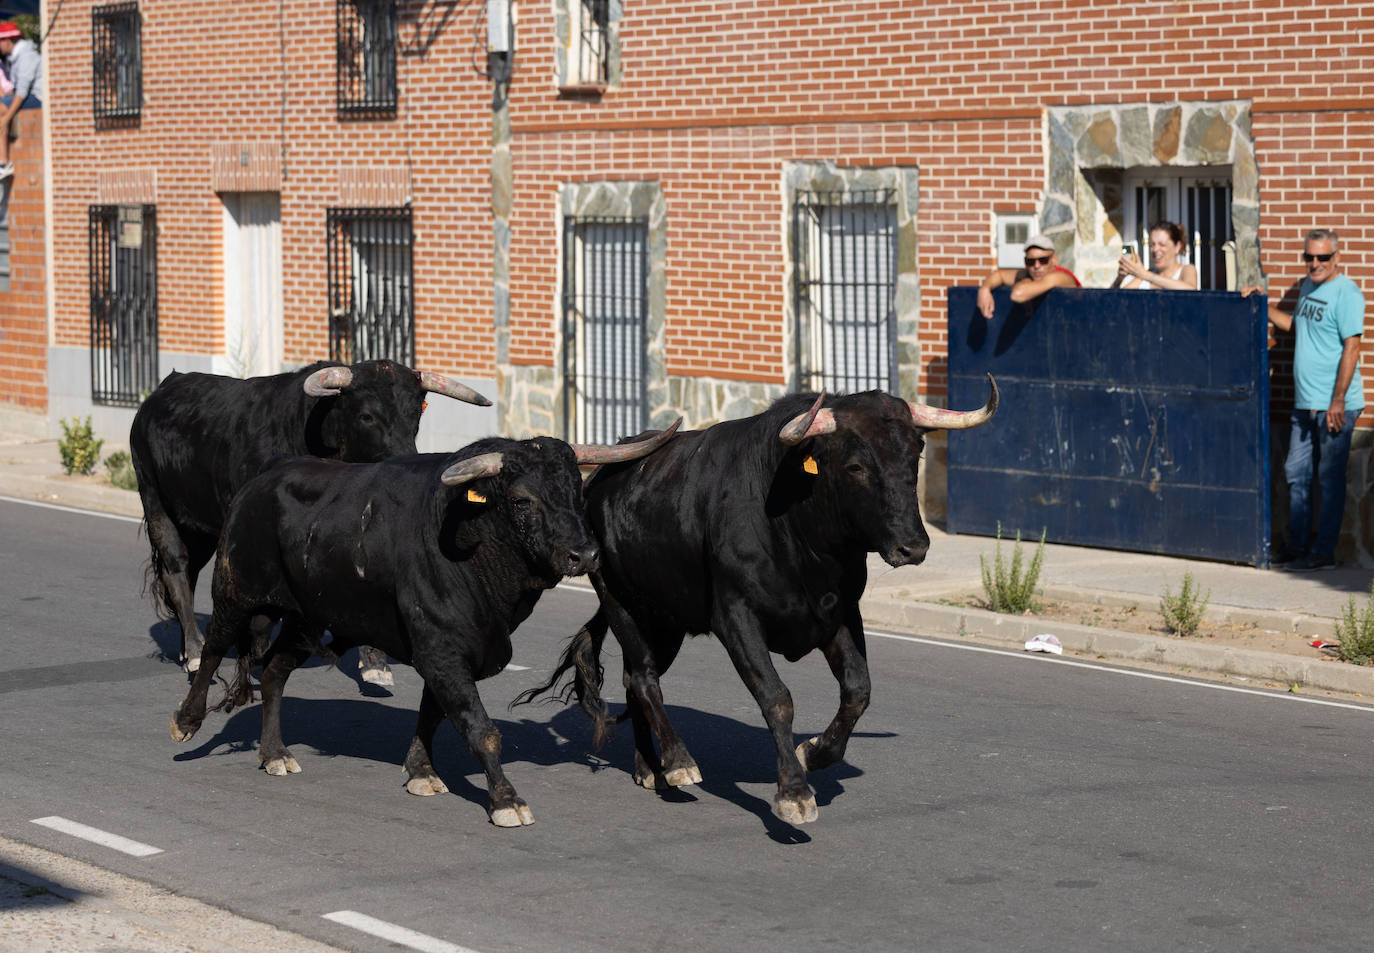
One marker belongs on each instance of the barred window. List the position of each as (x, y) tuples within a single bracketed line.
[(588, 53), (117, 61), (844, 290), (605, 322), (123, 287), (366, 74), (1197, 199), (371, 285)]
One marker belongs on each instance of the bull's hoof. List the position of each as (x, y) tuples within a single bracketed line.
[(804, 748), (796, 810), (426, 785), (193, 664), (680, 777), (182, 734), (281, 767), (652, 780), (378, 675), (516, 815)]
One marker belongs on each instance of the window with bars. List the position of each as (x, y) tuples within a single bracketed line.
[(844, 290), (605, 327), (117, 62), (366, 73), (123, 288), (371, 284), (1200, 201)]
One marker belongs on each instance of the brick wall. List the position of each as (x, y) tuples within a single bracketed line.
[(214, 77), (24, 308)]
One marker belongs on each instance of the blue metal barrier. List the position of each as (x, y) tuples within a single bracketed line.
[(1134, 420)]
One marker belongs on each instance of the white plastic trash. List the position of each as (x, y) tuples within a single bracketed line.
[(1044, 642)]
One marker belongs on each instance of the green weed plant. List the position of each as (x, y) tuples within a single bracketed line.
[(1183, 612), (79, 447), (121, 468), (1010, 587), (1355, 632)]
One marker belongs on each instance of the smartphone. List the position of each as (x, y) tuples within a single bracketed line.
[(1128, 248)]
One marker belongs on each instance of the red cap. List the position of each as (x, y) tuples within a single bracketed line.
[(9, 31)]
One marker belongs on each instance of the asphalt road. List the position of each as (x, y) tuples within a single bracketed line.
[(989, 801)]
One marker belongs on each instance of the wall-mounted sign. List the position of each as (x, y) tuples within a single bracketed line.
[(130, 233)]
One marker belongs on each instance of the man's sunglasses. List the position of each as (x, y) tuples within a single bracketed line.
[(1037, 261), (1306, 256)]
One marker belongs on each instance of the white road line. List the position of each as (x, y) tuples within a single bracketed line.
[(394, 934), (73, 509), (1133, 673), (95, 835)]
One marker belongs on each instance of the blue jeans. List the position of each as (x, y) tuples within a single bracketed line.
[(30, 101), (1312, 447)]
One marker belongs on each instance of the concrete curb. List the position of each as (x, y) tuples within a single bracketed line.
[(939, 621)]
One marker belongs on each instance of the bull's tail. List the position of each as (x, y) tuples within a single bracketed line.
[(153, 582), (581, 674), (240, 691)]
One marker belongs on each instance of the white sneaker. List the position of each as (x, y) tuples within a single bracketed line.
[(6, 170)]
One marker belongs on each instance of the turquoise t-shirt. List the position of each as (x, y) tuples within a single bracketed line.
[(1327, 314)]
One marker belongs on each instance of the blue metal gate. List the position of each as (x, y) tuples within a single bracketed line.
[(1134, 420)]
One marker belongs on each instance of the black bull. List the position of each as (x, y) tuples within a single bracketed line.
[(198, 438), (756, 530), (434, 558)]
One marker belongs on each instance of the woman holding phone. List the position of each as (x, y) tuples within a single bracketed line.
[(1165, 271)]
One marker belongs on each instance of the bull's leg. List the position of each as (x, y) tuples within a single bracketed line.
[(289, 651), (456, 692), (743, 638), (178, 564), (187, 719), (421, 777), (848, 661), (372, 665), (645, 658)]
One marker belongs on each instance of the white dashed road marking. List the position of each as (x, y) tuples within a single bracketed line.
[(394, 934), (97, 836)]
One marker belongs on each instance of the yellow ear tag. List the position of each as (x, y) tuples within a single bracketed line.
[(809, 465), (475, 497)]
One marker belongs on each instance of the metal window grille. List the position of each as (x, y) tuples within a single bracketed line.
[(4, 240), (844, 290), (123, 285), (117, 61), (366, 74), (1207, 223), (605, 327), (591, 65), (371, 284)]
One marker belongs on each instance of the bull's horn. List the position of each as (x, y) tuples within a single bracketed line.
[(811, 423), (937, 418), (439, 384), (592, 454), (473, 468), (328, 381)]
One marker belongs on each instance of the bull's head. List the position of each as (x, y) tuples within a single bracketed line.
[(375, 410), (544, 496), (869, 464)]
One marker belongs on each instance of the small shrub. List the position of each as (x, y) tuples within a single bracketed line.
[(1008, 588), (1355, 632), (1183, 612), (79, 447), (121, 467)]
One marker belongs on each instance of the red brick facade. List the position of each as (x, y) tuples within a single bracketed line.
[(713, 99), (24, 307)]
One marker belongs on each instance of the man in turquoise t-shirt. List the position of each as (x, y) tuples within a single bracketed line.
[(1329, 320)]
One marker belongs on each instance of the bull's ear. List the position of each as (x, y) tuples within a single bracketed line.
[(473, 468)]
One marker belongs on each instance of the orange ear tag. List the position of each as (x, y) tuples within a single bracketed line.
[(424, 406), (809, 465), (475, 497)]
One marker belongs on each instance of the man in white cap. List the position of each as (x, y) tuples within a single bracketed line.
[(25, 68), (1042, 272)]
